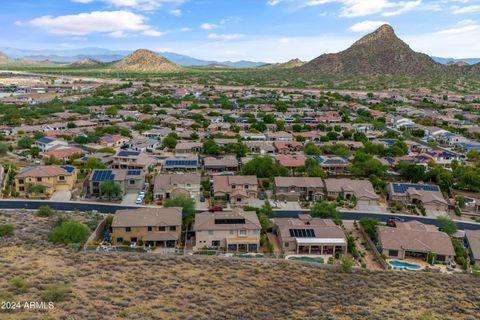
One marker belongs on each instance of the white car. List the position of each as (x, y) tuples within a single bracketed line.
[(139, 201)]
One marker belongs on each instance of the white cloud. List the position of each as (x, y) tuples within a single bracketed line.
[(366, 26), (185, 29), (146, 5), (359, 8), (117, 34), (176, 12), (153, 33), (461, 27), (115, 23), (467, 9), (225, 36), (209, 26)]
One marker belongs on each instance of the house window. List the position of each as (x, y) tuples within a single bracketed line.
[(133, 239), (233, 186), (232, 232), (285, 244), (216, 243), (39, 179), (211, 232), (128, 229), (189, 185), (22, 188), (256, 232), (161, 228), (61, 178), (246, 186), (119, 240), (132, 181), (149, 228), (393, 253), (243, 232), (173, 228), (20, 181), (239, 199)]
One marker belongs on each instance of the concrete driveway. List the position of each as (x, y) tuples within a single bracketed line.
[(62, 196), (129, 198)]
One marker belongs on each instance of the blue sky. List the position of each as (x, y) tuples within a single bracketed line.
[(263, 30)]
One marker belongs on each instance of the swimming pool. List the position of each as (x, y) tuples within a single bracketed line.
[(401, 264), (307, 259)]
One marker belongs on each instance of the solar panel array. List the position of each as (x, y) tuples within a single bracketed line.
[(134, 172), (103, 175), (173, 163), (68, 168), (128, 153), (302, 233), (402, 187), (229, 221)]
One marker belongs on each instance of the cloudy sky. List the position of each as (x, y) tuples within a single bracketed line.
[(261, 30)]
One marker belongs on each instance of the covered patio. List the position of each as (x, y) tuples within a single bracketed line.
[(321, 246)]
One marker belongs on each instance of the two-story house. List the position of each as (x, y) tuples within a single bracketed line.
[(172, 185), (43, 181), (155, 227), (298, 188), (237, 230), (130, 181), (45, 144), (235, 190)]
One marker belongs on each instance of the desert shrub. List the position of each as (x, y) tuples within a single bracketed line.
[(347, 263), (370, 226), (19, 284), (56, 292), (45, 211), (7, 230), (91, 224), (70, 231)]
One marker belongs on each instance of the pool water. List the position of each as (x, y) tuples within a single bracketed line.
[(401, 264), (307, 259)]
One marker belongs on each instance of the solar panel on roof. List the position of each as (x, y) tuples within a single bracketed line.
[(302, 233), (128, 153), (102, 175), (134, 172), (402, 187)]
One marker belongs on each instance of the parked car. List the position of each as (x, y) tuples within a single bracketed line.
[(215, 209), (139, 200)]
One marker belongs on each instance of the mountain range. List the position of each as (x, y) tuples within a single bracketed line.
[(382, 53), (107, 55)]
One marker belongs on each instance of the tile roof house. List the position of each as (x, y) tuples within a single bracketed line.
[(125, 159), (414, 239), (361, 190), (236, 230), (188, 147), (236, 190), (298, 188), (307, 235), (62, 152), (51, 178), (428, 196), (220, 164), (290, 161), (155, 227), (171, 185), (130, 181), (45, 144), (472, 241)]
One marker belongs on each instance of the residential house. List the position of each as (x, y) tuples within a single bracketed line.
[(112, 140), (298, 188), (236, 190), (62, 152), (130, 181), (220, 164), (182, 164), (236, 230), (307, 235), (133, 160), (472, 243), (45, 144), (51, 178), (424, 195), (414, 239), (172, 185), (155, 227), (360, 190), (188, 147)]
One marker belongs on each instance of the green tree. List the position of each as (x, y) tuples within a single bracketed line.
[(170, 141), (7, 230), (70, 231), (3, 149), (325, 210), (411, 171), (188, 207), (211, 148), (370, 226), (263, 167), (347, 263), (110, 189), (311, 149), (25, 143), (238, 148), (364, 164), (447, 225)]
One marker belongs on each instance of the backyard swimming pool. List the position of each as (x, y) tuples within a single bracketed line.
[(401, 264), (307, 259)]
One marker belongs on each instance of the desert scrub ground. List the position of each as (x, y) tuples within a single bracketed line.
[(148, 286)]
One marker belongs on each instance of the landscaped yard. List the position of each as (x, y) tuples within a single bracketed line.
[(149, 286)]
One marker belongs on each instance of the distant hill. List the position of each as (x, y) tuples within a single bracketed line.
[(449, 60), (143, 60), (285, 65), (86, 63), (4, 59), (380, 52)]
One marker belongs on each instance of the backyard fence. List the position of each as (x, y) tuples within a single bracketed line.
[(374, 249)]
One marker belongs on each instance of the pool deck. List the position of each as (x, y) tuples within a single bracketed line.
[(324, 256), (423, 265)]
